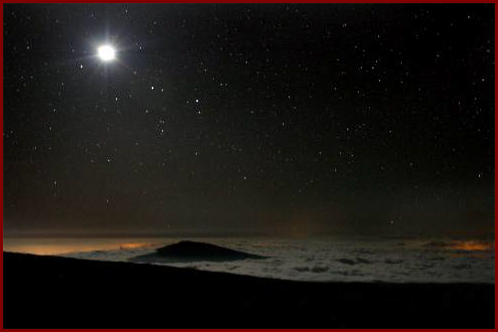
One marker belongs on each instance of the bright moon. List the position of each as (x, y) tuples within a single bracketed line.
[(106, 53)]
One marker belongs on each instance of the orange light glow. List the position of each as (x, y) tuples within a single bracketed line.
[(472, 246), (58, 246), (133, 245)]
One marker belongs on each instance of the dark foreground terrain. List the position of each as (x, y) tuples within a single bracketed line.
[(52, 292)]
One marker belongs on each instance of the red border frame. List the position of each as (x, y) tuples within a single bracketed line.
[(228, 1)]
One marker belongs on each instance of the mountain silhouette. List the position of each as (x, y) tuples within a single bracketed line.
[(191, 251)]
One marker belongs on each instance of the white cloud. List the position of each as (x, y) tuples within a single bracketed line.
[(338, 260)]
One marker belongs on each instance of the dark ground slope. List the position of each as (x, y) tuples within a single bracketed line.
[(55, 292)]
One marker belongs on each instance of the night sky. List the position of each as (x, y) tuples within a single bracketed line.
[(287, 120)]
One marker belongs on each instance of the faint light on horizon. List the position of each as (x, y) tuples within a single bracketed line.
[(472, 246), (70, 246)]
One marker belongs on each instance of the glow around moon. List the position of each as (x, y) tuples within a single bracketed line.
[(106, 53)]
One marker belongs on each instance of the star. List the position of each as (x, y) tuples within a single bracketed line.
[(106, 53)]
